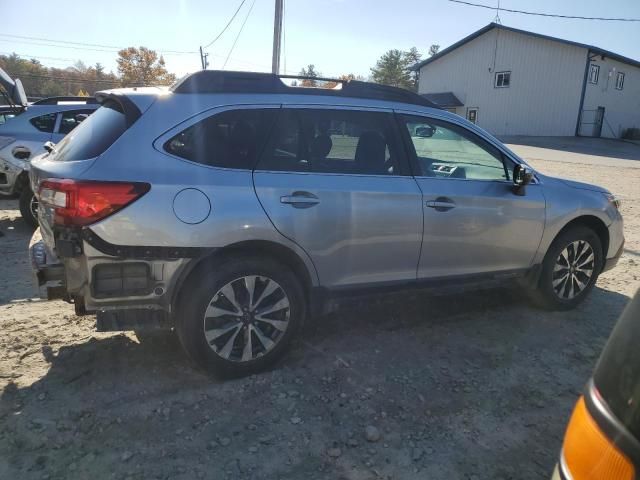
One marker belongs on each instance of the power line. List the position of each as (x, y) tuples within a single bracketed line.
[(238, 35), (226, 26), (83, 44), (553, 15), (64, 79), (38, 57)]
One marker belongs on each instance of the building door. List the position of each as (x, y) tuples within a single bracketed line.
[(472, 114), (597, 127)]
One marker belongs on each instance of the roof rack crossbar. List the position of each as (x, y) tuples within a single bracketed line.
[(223, 81)]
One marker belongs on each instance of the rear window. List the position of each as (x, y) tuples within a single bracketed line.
[(44, 123), (231, 139), (617, 375), (94, 135)]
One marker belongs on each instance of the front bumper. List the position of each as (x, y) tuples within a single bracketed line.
[(609, 263), (48, 273)]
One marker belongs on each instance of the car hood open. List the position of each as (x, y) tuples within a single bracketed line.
[(13, 89)]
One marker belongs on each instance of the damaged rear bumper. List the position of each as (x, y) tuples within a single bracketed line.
[(48, 273)]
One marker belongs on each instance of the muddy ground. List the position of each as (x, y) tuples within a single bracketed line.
[(473, 386)]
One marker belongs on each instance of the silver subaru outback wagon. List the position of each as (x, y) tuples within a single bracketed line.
[(232, 206)]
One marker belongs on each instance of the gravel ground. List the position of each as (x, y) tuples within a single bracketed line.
[(406, 388)]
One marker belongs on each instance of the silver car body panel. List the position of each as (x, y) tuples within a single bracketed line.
[(366, 229), (19, 134)]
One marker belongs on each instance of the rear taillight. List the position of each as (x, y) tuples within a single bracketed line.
[(588, 454), (82, 203)]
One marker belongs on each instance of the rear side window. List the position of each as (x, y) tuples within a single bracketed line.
[(72, 119), (94, 135), (44, 123), (334, 141), (231, 139)]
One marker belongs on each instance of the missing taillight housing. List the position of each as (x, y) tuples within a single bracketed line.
[(81, 203)]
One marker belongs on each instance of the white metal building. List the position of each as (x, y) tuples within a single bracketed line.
[(514, 82)]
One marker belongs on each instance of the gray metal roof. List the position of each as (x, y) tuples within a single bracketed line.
[(443, 99), (491, 26)]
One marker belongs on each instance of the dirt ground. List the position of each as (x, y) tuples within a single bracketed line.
[(423, 387)]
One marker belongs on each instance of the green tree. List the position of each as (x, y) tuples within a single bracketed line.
[(142, 66), (392, 69), (310, 71), (434, 49)]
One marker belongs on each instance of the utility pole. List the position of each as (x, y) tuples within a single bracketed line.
[(203, 59), (277, 37)]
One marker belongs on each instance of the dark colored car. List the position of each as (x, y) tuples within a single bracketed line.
[(602, 441)]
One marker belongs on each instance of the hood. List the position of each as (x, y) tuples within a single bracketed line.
[(13, 89), (584, 186)]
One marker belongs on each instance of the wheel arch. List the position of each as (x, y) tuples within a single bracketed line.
[(280, 253), (593, 223)]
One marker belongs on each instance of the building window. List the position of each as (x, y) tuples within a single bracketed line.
[(503, 79), (620, 81), (594, 73), (472, 114)]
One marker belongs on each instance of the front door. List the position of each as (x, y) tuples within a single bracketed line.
[(473, 222), (597, 126), (336, 182)]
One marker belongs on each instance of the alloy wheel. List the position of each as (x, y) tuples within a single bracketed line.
[(246, 318), (573, 269)]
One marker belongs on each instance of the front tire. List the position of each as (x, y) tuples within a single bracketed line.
[(239, 316), (570, 269), (29, 207)]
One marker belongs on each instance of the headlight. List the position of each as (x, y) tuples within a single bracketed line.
[(615, 200)]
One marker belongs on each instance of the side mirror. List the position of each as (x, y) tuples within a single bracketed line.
[(425, 132), (49, 146), (522, 177)]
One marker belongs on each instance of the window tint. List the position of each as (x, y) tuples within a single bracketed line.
[(72, 119), (333, 141), (446, 150), (44, 123), (231, 139), (94, 135)]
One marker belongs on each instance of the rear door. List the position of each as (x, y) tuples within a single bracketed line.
[(473, 222), (336, 182)]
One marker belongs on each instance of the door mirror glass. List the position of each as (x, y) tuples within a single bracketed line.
[(425, 131)]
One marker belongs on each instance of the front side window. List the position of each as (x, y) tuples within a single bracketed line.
[(594, 73), (445, 150), (231, 139), (72, 119), (44, 123), (503, 79), (620, 81), (334, 141)]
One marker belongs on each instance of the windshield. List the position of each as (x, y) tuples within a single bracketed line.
[(617, 375), (94, 135)]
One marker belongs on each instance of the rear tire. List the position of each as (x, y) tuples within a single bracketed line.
[(570, 269), (28, 207), (238, 317)]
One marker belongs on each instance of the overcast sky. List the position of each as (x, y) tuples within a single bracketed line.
[(338, 36)]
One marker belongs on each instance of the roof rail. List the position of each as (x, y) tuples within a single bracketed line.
[(57, 100), (218, 81)]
